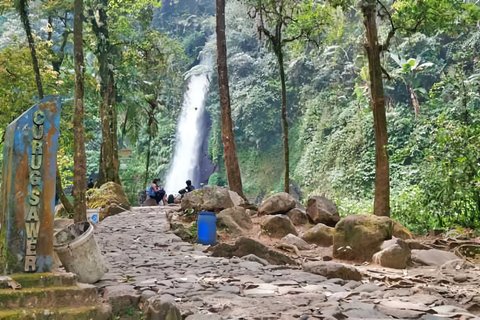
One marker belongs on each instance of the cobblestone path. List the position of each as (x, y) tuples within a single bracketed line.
[(145, 258)]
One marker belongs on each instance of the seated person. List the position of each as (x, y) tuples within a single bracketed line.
[(156, 192), (170, 199), (189, 186), (183, 191)]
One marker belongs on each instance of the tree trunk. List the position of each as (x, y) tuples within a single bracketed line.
[(109, 162), (79, 159), (286, 151), (382, 176), (148, 158), (22, 9), (61, 195), (229, 148)]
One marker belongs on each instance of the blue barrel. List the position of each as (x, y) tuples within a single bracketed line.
[(206, 228)]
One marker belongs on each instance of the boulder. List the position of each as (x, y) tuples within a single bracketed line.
[(322, 210), (320, 234), (332, 270), (297, 216), (433, 257), (236, 220), (395, 254), (210, 198), (277, 204), (358, 237), (254, 258), (415, 244), (296, 241), (111, 210), (216, 198), (161, 308), (192, 200), (245, 246), (110, 198), (236, 199), (300, 206), (399, 231), (277, 226), (149, 202)]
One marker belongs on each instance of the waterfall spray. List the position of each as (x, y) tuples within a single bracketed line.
[(190, 133)]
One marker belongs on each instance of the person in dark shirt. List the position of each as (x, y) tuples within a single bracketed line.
[(171, 199), (183, 191), (189, 186)]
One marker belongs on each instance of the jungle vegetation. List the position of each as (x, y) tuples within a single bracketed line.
[(309, 82)]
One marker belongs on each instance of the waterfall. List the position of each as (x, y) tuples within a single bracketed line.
[(191, 131)]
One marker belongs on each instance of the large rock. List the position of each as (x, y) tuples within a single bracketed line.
[(236, 220), (322, 210), (297, 216), (210, 198), (320, 234), (110, 198), (216, 198), (277, 204), (358, 237), (149, 202), (293, 240), (236, 199), (161, 308), (192, 200), (277, 226), (245, 246), (332, 270), (395, 254), (432, 257)]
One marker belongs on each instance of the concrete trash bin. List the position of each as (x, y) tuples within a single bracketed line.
[(78, 251)]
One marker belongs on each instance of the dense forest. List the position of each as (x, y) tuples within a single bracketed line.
[(296, 67)]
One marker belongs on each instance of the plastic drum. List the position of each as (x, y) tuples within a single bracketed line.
[(207, 228)]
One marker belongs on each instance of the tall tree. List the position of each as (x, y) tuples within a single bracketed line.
[(409, 17), (274, 18), (381, 206), (230, 155), (22, 8), (80, 160), (105, 52)]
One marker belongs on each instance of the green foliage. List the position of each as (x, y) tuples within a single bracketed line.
[(435, 178), (428, 15)]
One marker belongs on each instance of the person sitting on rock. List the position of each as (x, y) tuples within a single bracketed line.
[(183, 191), (156, 192), (189, 186)]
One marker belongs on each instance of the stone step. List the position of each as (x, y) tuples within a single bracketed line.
[(100, 312), (49, 297), (39, 280)]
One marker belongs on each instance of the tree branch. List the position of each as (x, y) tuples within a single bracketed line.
[(11, 73), (386, 74), (384, 47)]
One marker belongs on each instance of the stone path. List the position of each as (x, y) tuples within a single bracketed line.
[(140, 249)]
